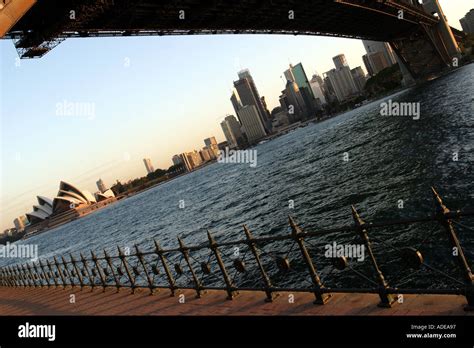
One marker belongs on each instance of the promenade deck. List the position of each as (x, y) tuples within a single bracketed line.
[(57, 301)]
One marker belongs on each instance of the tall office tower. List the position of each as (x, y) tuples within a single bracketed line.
[(359, 78), (231, 128), (298, 75), (235, 100), (296, 105), (467, 22), (340, 61), (248, 95), (377, 62), (316, 84), (341, 79), (372, 47), (368, 65), (148, 165), (449, 41), (101, 185), (342, 83), (252, 123)]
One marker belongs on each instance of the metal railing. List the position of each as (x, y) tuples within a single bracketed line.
[(273, 264)]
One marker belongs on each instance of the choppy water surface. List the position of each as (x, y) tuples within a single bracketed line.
[(390, 159)]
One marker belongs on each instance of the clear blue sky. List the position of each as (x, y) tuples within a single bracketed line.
[(153, 97)]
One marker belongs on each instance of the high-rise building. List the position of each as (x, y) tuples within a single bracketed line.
[(297, 74), (148, 165), (101, 185), (231, 128), (247, 94), (359, 78), (340, 61), (378, 46), (252, 123), (296, 106), (316, 84), (211, 144), (191, 160), (467, 22), (341, 79)]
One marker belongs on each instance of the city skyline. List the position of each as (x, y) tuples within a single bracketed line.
[(122, 160)]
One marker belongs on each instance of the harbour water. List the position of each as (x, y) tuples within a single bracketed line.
[(384, 165)]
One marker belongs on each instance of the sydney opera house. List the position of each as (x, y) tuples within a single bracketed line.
[(70, 203)]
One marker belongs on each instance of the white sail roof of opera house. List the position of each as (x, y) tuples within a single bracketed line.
[(100, 196), (69, 196)]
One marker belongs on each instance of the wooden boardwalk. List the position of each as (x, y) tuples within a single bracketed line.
[(44, 301)]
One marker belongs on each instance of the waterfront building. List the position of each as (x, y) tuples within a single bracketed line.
[(247, 93), (211, 144), (191, 160), (359, 78), (101, 185), (252, 123), (296, 106), (467, 22), (297, 74), (148, 165), (317, 88), (205, 155), (232, 131), (343, 84)]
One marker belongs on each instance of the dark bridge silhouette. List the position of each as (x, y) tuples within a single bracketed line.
[(414, 32)]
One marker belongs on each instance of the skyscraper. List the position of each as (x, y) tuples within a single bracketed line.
[(231, 128), (252, 123), (359, 78), (341, 79), (247, 94), (101, 185), (296, 105), (467, 22), (148, 165), (340, 61), (298, 75), (316, 84)]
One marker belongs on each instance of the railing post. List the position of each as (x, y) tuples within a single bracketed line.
[(33, 277), (196, 281), (169, 275), (68, 271), (46, 278), (386, 300), (86, 268), (38, 275), (27, 275), (321, 297), (79, 275), (127, 270), (60, 272), (99, 271), (52, 273), (266, 280), (441, 214), (109, 263), (142, 262), (231, 293)]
